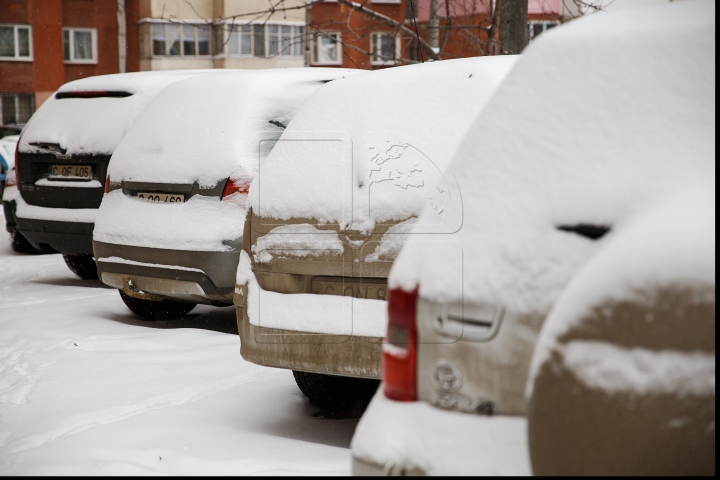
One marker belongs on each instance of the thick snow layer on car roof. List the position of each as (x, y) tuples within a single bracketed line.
[(670, 246), (371, 148), (207, 129), (96, 125), (414, 435), (600, 117)]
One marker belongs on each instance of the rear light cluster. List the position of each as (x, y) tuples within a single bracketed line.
[(107, 185), (10, 182), (236, 186), (93, 94), (400, 348), (11, 179)]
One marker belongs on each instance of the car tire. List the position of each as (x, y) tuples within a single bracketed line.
[(82, 265), (331, 391), (152, 310), (21, 244)]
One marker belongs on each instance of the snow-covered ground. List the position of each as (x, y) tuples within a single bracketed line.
[(86, 388)]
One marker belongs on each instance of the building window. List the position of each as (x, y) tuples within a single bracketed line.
[(327, 49), (180, 40), (536, 27), (385, 48), (80, 45), (15, 42), (16, 107), (268, 40)]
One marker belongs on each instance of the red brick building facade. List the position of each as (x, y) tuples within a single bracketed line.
[(46, 43)]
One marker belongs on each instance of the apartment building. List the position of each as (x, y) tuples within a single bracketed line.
[(221, 34), (45, 43)]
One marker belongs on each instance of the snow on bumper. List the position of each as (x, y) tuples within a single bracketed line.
[(415, 437)]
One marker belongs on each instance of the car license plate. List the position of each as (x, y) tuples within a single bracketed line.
[(70, 172), (370, 288), (161, 197)]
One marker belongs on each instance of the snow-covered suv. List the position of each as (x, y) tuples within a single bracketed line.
[(573, 151), (169, 231), (63, 157), (329, 210)]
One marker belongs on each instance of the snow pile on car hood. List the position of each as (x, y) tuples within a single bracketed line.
[(371, 148), (600, 118), (96, 125), (207, 129)]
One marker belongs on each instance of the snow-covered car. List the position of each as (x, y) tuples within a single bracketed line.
[(328, 214), (63, 155), (8, 147), (169, 230), (622, 379), (7, 157), (18, 242), (571, 150)]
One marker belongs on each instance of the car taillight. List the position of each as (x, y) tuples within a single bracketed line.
[(11, 179), (235, 186), (17, 164), (399, 369), (107, 185)]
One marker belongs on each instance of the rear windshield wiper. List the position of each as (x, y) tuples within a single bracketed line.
[(93, 94)]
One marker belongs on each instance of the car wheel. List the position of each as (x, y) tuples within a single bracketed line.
[(328, 391), (21, 244), (82, 265), (152, 310)]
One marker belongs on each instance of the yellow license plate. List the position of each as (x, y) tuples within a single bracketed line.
[(70, 172)]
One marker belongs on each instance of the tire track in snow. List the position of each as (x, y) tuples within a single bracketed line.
[(189, 394)]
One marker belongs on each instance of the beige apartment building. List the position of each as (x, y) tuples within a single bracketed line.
[(176, 34)]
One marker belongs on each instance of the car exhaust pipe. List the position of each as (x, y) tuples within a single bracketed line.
[(131, 290)]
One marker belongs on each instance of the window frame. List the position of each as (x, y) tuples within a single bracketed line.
[(4, 97), (181, 40), (17, 57), (315, 51), (546, 24), (297, 30), (374, 39), (93, 41)]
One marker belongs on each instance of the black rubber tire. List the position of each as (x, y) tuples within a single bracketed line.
[(151, 310), (82, 265), (21, 244), (330, 391)]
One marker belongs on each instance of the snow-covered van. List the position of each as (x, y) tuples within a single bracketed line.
[(329, 210), (63, 157), (573, 152), (169, 230)]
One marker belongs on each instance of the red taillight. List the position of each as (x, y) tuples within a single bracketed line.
[(107, 185), (400, 348), (236, 186), (11, 179)]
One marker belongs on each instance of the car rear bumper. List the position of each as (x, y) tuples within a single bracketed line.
[(72, 238), (192, 276), (415, 438), (344, 355)]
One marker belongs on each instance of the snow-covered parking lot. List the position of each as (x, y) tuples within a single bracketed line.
[(86, 388)]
